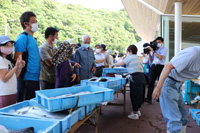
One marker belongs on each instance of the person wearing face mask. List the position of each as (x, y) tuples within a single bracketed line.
[(9, 70), (85, 57), (99, 61), (47, 50), (134, 66), (157, 59), (26, 46)]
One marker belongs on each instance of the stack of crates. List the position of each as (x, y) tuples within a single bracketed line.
[(48, 101), (186, 92)]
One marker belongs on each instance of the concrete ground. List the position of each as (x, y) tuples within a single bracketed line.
[(151, 121)]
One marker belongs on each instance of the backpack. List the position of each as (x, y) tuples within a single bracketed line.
[(25, 58)]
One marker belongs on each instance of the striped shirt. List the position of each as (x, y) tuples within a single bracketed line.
[(133, 64)]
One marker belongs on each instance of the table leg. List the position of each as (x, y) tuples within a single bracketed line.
[(97, 120), (124, 99), (190, 90)]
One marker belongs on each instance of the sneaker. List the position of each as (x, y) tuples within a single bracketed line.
[(138, 112), (148, 101), (133, 116)]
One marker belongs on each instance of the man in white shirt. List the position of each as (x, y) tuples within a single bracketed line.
[(99, 61)]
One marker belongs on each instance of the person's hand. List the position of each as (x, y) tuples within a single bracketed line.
[(22, 65), (156, 93), (93, 70), (143, 54), (113, 66), (151, 49), (73, 77), (19, 61), (78, 80), (77, 65)]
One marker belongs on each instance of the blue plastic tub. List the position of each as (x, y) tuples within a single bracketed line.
[(15, 122), (195, 87), (195, 113), (113, 83), (186, 97), (97, 95), (197, 118), (115, 70), (64, 124), (89, 108)]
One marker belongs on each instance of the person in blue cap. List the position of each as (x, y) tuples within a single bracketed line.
[(9, 70)]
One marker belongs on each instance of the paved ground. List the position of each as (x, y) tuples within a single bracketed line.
[(151, 121)]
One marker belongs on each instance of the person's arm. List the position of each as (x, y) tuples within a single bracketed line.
[(100, 60), (165, 72), (5, 76), (150, 57), (20, 68), (77, 59), (17, 54), (157, 55), (119, 64)]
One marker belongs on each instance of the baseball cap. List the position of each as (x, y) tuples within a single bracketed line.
[(71, 41), (4, 39)]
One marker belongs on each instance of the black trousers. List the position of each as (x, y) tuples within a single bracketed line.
[(137, 90), (155, 72), (26, 89), (46, 85), (99, 71)]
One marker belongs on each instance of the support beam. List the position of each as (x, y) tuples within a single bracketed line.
[(178, 27)]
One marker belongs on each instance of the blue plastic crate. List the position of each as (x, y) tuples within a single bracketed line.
[(15, 122), (195, 87), (115, 70), (113, 83), (193, 112), (89, 108), (97, 95), (197, 118), (104, 74), (186, 97), (64, 124)]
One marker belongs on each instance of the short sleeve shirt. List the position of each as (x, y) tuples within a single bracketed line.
[(29, 43), (186, 64), (161, 51), (10, 87), (133, 64), (97, 57)]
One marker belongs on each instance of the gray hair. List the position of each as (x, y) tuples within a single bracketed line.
[(85, 36)]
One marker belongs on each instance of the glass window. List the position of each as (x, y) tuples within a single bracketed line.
[(190, 33)]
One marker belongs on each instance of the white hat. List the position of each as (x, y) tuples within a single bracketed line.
[(71, 41)]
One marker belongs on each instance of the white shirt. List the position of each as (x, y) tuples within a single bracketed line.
[(10, 87), (97, 57)]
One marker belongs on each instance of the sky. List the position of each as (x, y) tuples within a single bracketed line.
[(112, 5)]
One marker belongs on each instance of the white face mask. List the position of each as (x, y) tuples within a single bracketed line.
[(159, 45), (55, 41), (128, 54), (73, 49), (98, 50), (34, 27)]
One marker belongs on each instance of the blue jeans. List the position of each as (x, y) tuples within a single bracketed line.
[(172, 106)]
